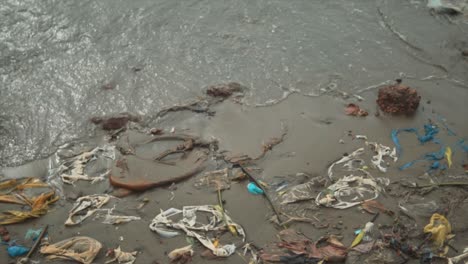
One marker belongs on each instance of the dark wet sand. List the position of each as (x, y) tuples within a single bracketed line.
[(315, 126)]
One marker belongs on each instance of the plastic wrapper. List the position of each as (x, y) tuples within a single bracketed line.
[(81, 249), (89, 204), (191, 227)]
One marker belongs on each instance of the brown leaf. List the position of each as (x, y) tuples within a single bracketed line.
[(371, 205)]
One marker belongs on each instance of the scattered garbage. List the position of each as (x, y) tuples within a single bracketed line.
[(365, 231), (224, 90), (121, 257), (217, 180), (439, 228), (382, 152), (355, 189), (254, 189), (38, 241), (14, 191), (81, 249), (76, 170), (89, 205), (296, 248), (398, 99), (181, 255), (192, 228), (355, 110), (85, 207)]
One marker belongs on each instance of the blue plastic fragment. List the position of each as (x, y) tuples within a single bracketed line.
[(33, 234), (254, 189), (356, 232), (462, 145), (16, 251)]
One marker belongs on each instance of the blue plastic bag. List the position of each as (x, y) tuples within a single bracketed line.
[(16, 251), (254, 189)]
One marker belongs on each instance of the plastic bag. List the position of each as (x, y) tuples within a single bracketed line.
[(192, 228), (81, 249), (440, 228)]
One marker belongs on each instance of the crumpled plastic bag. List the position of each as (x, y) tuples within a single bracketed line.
[(440, 229), (81, 249), (192, 228), (357, 189), (218, 180)]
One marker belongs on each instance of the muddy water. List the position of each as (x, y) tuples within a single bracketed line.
[(56, 56)]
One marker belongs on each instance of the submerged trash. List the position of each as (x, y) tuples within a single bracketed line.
[(218, 180), (192, 228), (181, 255), (439, 228), (355, 110), (357, 189), (254, 189), (398, 99), (115, 122), (120, 256), (78, 165), (295, 248), (224, 90), (448, 6), (15, 192), (81, 249), (89, 204)]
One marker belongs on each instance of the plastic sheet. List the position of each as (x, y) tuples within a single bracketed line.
[(81, 249), (192, 228)]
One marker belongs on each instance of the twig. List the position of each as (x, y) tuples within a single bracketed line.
[(442, 184), (264, 192)]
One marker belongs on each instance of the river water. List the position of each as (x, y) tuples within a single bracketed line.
[(56, 56)]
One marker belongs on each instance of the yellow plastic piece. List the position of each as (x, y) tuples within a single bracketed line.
[(448, 156), (440, 228)]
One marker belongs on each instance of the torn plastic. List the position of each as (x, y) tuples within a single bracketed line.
[(111, 219), (354, 155), (430, 131), (121, 257), (30, 192), (192, 228), (218, 180), (89, 204), (382, 152), (78, 165), (357, 189), (81, 249)]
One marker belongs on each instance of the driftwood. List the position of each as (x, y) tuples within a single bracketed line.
[(139, 186)]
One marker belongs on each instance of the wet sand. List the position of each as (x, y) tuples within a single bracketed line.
[(314, 129)]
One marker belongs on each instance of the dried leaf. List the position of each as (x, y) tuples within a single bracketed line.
[(370, 205)]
